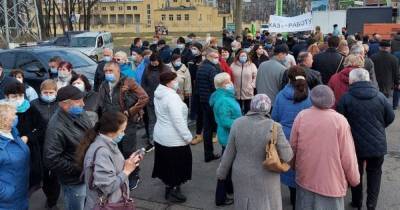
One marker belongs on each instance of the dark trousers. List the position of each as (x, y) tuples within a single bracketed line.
[(374, 173), (244, 105), (396, 96), (196, 113), (293, 197), (223, 187), (51, 187), (208, 126), (146, 122)]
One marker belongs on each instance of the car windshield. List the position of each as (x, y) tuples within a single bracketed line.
[(77, 59), (83, 42)]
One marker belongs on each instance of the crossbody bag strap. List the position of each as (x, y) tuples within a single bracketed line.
[(340, 63)]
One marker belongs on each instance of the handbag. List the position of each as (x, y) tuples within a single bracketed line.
[(272, 160), (125, 203)]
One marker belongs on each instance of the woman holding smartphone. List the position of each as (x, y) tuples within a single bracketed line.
[(106, 171)]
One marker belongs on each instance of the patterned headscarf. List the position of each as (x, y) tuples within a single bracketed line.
[(260, 103)]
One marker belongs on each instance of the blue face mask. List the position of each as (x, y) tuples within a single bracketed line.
[(243, 59), (53, 70), (230, 88), (118, 138), (178, 64), (15, 122), (107, 58), (110, 77), (75, 110), (268, 46), (48, 99)]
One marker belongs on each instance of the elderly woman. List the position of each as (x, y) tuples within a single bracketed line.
[(339, 82), (255, 187), (226, 109), (184, 78), (14, 161), (343, 48), (126, 67), (321, 140), (173, 157)]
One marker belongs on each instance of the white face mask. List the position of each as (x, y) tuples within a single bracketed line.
[(80, 86), (180, 46), (195, 52), (63, 75), (20, 80), (17, 101), (175, 86)]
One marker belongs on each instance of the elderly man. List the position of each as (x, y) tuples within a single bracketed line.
[(99, 75), (270, 73), (358, 49), (386, 69), (65, 130), (205, 87), (368, 113), (122, 94), (313, 77)]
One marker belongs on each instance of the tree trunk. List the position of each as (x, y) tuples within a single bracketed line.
[(60, 16), (42, 24)]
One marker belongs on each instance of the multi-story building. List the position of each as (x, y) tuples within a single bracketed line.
[(258, 10)]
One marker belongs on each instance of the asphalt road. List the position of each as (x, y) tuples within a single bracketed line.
[(200, 190)]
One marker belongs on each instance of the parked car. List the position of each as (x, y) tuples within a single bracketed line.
[(62, 41), (92, 43), (34, 62)]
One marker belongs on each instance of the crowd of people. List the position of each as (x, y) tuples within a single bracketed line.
[(326, 95)]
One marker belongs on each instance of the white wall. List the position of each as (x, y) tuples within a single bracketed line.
[(327, 19)]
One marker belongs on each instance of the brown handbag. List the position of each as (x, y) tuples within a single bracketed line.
[(125, 203), (272, 160)]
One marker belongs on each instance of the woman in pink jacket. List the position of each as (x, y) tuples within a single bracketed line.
[(324, 156), (244, 77)]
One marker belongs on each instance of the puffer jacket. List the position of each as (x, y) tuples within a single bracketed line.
[(63, 135), (205, 79), (226, 110), (171, 129), (14, 173), (284, 112), (339, 83), (245, 79), (368, 113)]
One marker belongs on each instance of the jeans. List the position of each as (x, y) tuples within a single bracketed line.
[(374, 173), (208, 126), (74, 196)]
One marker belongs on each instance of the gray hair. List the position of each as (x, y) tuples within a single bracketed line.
[(358, 75), (357, 50), (220, 78), (302, 56)]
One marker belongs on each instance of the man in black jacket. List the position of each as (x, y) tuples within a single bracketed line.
[(99, 75), (65, 130), (386, 69), (329, 62), (205, 87), (368, 113)]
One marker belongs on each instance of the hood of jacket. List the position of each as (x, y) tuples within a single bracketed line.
[(163, 92), (220, 94), (288, 92), (363, 90), (344, 75)]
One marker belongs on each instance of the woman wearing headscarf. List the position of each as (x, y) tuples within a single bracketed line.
[(255, 187), (289, 102), (322, 142), (14, 162)]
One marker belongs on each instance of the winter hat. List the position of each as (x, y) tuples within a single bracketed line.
[(322, 97), (198, 45), (260, 103)]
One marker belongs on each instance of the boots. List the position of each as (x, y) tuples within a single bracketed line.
[(197, 139), (174, 195)]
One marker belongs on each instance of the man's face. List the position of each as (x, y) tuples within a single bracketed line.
[(107, 52), (112, 70), (53, 65), (48, 92), (66, 105), (308, 61)]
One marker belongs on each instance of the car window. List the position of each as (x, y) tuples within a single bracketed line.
[(7, 59), (28, 61), (100, 41), (83, 42), (77, 59)]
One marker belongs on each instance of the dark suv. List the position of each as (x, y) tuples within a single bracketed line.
[(34, 62)]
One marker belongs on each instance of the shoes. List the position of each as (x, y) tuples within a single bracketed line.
[(174, 195), (227, 202), (149, 148), (213, 157), (197, 139), (134, 184), (47, 207), (356, 206)]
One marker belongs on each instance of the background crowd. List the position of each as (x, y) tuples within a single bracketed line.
[(327, 95)]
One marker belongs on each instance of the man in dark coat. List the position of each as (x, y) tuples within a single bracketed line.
[(205, 87), (386, 69), (368, 113), (183, 50), (374, 45), (329, 62), (164, 51), (99, 75)]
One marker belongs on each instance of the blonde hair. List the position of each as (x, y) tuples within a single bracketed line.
[(121, 54), (343, 47), (6, 111), (354, 61), (313, 49), (220, 78), (48, 84)]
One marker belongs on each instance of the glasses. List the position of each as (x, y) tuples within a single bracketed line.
[(118, 59)]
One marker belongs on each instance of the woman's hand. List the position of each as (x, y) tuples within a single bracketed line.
[(131, 164), (24, 139)]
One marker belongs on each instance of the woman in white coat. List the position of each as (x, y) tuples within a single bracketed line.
[(173, 157)]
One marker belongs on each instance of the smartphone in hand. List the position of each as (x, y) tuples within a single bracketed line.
[(140, 152)]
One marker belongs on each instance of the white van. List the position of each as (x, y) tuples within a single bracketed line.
[(92, 43)]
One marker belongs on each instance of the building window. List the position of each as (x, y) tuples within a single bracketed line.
[(186, 16), (178, 17), (134, 7), (163, 17), (148, 6), (121, 19), (120, 8), (95, 8), (148, 22), (104, 8), (112, 8), (128, 7), (171, 18), (200, 17), (113, 19), (129, 19), (187, 0), (175, 0)]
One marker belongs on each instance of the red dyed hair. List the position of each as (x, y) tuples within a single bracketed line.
[(65, 64)]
